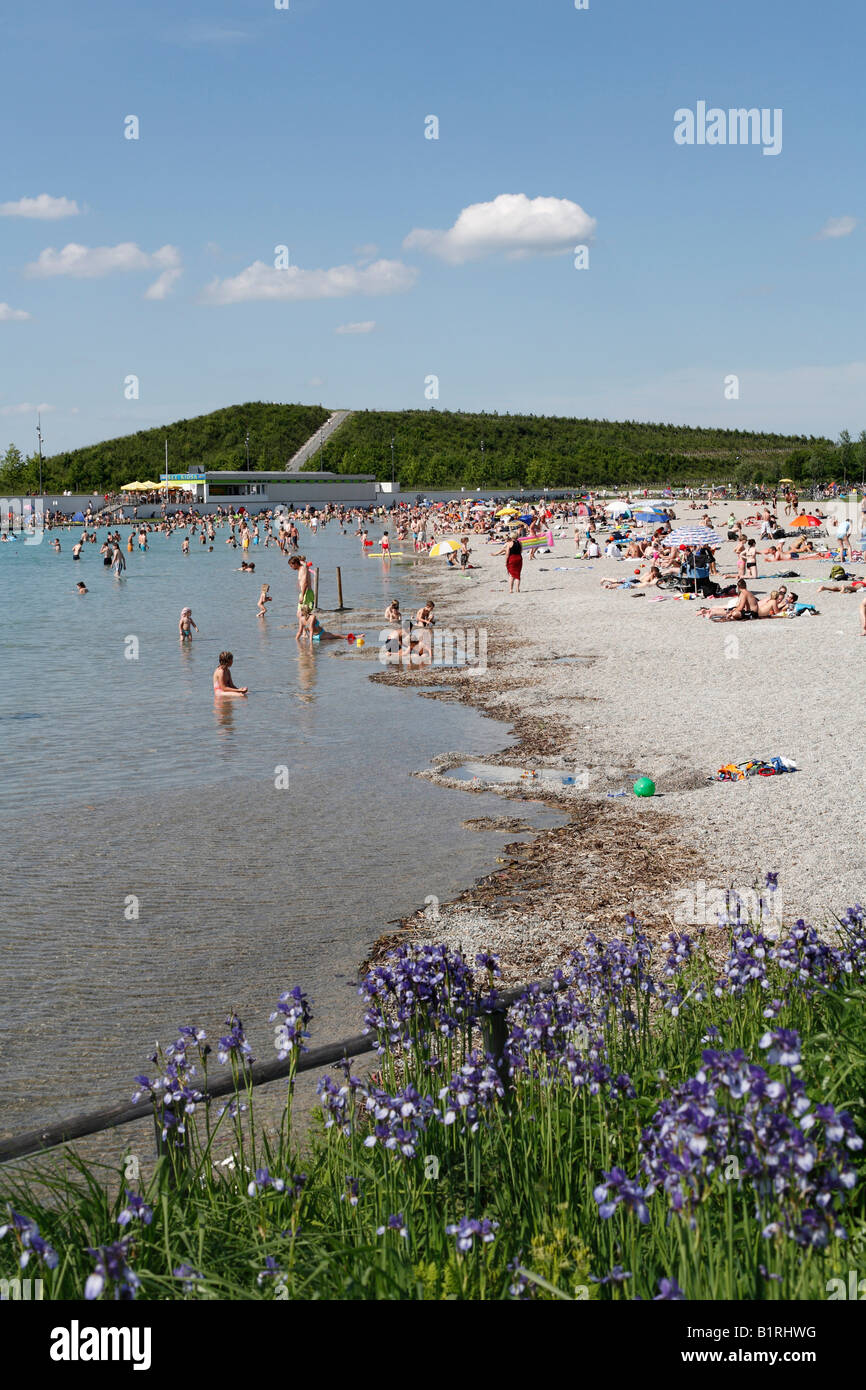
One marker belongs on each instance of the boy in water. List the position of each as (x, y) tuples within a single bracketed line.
[(81, 588), (264, 597)]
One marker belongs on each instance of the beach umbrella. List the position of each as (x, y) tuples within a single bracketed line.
[(78, 516), (618, 509), (130, 487), (444, 547), (806, 520), (786, 480), (650, 516), (692, 537), (528, 517), (507, 511)]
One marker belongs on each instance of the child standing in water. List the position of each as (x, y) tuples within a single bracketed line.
[(264, 597), (185, 625)]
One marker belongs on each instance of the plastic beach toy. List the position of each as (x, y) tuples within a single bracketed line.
[(359, 641), (350, 636), (644, 786)]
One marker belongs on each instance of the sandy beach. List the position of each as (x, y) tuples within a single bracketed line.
[(668, 695)]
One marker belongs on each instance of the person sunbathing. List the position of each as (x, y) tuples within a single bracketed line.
[(745, 607), (650, 578), (769, 607), (798, 547)]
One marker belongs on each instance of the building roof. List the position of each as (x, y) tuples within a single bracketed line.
[(256, 475)]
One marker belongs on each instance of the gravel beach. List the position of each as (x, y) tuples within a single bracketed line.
[(665, 694)]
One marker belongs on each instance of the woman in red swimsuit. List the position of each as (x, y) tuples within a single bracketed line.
[(513, 563)]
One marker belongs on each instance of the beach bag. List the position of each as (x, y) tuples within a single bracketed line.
[(837, 572)]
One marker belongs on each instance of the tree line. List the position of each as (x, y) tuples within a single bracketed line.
[(444, 449)]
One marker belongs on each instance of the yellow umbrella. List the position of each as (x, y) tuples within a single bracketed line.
[(507, 511), (786, 480), (130, 487), (444, 548)]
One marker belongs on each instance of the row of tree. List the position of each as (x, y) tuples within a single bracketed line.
[(439, 449), (214, 441)]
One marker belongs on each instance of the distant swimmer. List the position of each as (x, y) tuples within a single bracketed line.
[(222, 678), (81, 588), (118, 564), (185, 546), (264, 597), (186, 624), (129, 544), (57, 547), (76, 550)]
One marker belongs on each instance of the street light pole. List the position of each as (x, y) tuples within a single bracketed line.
[(39, 437), (392, 464), (247, 446)]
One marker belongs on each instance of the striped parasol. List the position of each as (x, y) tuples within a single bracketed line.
[(693, 535)]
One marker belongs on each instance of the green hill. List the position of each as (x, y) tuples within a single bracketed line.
[(434, 448), (211, 441)]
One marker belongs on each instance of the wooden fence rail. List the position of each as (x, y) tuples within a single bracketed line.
[(79, 1126)]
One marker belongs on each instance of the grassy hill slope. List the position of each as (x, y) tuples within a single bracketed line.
[(211, 441), (434, 448)]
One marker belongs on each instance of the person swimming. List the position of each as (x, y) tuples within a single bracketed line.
[(222, 677)]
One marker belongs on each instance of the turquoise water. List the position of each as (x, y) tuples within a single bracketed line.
[(155, 872)]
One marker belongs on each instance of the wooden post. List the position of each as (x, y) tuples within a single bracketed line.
[(495, 1032), (316, 591), (339, 591)]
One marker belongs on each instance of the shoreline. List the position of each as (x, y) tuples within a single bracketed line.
[(634, 705)]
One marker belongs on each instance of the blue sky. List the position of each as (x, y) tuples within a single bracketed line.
[(305, 128)]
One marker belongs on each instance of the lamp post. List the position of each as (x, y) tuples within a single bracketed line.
[(392, 463), (247, 447), (39, 437)]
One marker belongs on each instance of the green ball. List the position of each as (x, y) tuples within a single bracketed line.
[(644, 786)]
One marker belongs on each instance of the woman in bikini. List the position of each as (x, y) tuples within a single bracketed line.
[(222, 678)]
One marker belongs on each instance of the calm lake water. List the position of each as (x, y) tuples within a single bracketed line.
[(124, 779)]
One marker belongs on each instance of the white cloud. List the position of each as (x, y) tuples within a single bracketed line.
[(512, 224), (94, 262), (27, 409), (260, 281), (46, 208), (366, 327), (10, 315), (162, 285), (836, 227), (316, 381)]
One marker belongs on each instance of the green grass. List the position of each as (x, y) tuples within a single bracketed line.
[(531, 1165)]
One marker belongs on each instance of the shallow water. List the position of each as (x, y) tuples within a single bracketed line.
[(157, 869)]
